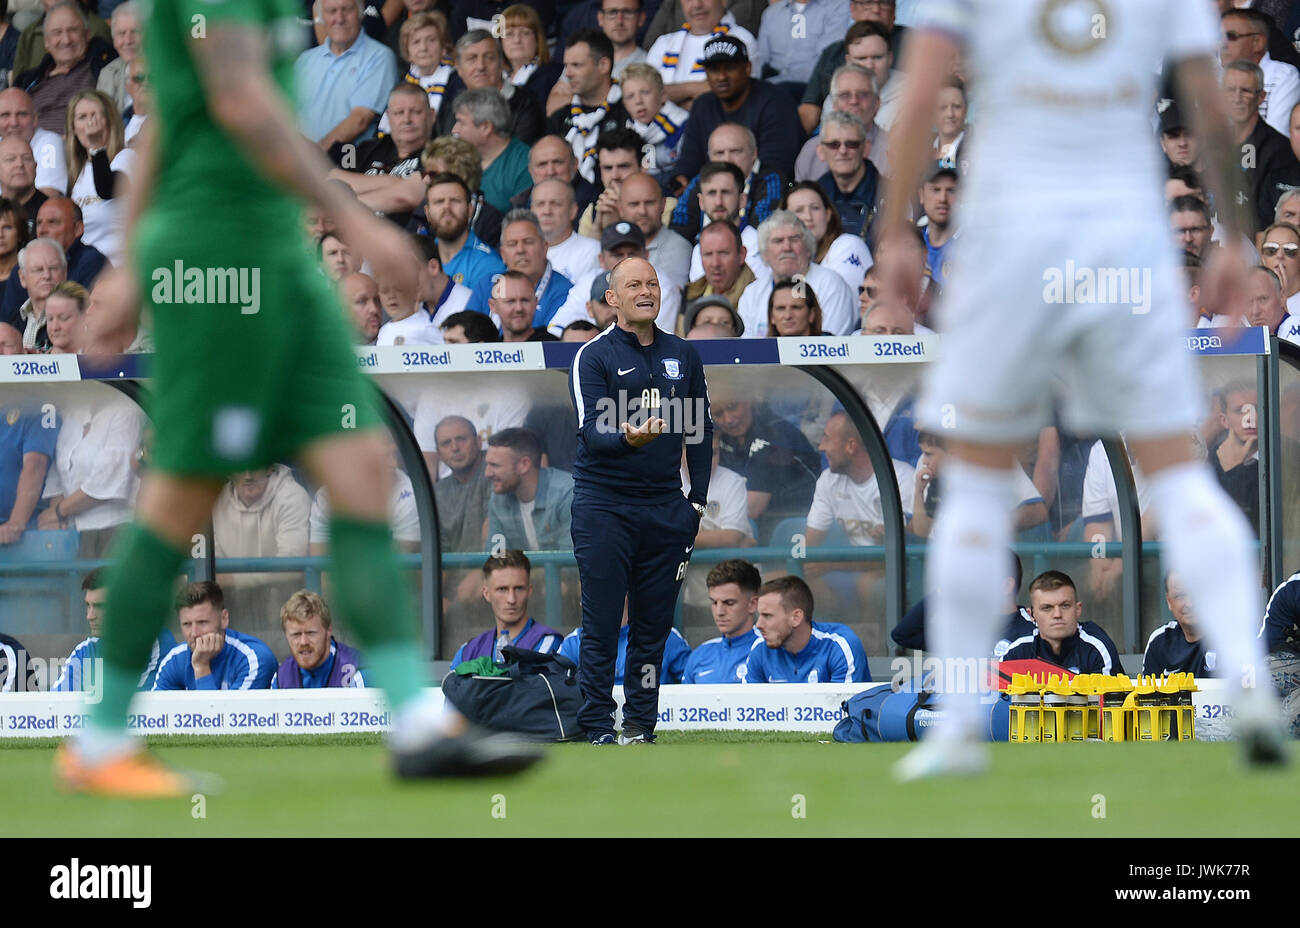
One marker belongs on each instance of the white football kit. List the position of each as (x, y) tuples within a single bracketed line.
[(1065, 265)]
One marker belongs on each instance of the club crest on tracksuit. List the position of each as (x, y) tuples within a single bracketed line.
[(672, 369)]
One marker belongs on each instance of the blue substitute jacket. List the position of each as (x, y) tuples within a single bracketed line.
[(827, 658), (721, 660), (611, 375), (676, 652), (73, 678), (245, 663)]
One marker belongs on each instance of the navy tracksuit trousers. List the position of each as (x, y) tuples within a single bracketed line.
[(636, 549)]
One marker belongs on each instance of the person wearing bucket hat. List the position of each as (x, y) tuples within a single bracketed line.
[(619, 240), (714, 310)]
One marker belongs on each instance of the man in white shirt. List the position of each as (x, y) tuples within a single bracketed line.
[(18, 115), (619, 240), (440, 298), (725, 523), (848, 492), (786, 246), (556, 209), (403, 516)]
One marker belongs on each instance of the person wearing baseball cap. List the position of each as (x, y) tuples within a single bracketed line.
[(736, 96), (1176, 140), (619, 240), (938, 194), (679, 56)]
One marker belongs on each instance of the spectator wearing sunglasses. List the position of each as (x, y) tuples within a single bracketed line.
[(1280, 253), (852, 181)]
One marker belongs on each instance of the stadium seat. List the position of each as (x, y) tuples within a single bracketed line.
[(39, 602)]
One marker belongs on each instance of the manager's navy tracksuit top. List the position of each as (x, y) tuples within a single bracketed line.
[(615, 363)]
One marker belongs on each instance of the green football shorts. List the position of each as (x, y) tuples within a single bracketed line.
[(253, 359)]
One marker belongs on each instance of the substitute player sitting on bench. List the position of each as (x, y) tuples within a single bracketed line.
[(1178, 646), (795, 651), (1060, 638), (317, 660), (507, 586)]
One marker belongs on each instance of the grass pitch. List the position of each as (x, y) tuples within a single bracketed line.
[(689, 784)]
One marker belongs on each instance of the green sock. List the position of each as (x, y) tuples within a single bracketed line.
[(373, 598), (139, 601)]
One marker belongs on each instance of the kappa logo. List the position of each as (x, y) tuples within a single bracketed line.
[(758, 445)]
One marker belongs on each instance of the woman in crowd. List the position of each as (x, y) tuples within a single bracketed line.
[(523, 46), (13, 237), (846, 255), (793, 310), (423, 42), (950, 121), (98, 165), (65, 317)]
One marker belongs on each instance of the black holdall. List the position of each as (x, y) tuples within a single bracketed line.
[(537, 697)]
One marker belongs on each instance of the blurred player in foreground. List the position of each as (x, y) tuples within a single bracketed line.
[(1065, 176), (253, 365)]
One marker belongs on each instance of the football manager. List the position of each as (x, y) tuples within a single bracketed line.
[(640, 394)]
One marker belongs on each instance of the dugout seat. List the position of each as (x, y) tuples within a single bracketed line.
[(39, 602)]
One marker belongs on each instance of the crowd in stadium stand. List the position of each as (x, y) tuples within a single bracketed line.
[(528, 148)]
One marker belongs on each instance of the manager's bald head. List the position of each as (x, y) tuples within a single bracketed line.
[(634, 293)]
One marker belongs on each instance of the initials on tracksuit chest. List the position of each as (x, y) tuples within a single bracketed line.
[(647, 376)]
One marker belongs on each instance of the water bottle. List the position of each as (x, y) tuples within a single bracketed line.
[(503, 641)]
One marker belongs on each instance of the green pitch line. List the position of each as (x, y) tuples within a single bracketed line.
[(690, 784)]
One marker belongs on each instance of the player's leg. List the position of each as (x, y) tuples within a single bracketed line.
[(148, 555), (428, 738), (965, 558), (666, 535), (604, 546), (1208, 542)]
